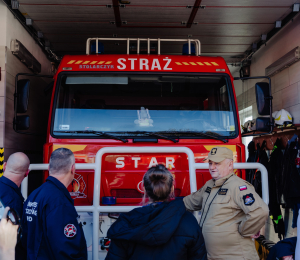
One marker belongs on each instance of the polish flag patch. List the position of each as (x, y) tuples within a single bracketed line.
[(243, 187)]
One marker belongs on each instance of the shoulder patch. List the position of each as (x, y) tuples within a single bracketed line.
[(70, 230), (208, 189), (248, 199), (244, 187)]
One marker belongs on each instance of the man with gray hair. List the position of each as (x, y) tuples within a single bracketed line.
[(232, 212), (51, 229)]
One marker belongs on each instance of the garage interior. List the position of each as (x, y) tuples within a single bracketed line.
[(250, 35)]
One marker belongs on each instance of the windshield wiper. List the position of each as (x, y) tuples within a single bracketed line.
[(156, 135), (211, 136), (147, 133), (98, 133)]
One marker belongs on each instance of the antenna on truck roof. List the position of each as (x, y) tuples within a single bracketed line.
[(148, 40)]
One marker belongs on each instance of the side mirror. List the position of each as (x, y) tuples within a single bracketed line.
[(22, 95), (21, 123), (263, 98), (263, 124)]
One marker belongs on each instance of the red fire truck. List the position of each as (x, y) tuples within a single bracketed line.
[(153, 101)]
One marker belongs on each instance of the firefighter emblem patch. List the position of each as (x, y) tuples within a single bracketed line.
[(248, 199), (213, 151), (70, 230)]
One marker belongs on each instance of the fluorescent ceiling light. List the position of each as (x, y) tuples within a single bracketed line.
[(296, 7)]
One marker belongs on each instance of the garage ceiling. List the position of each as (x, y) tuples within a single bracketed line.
[(225, 27)]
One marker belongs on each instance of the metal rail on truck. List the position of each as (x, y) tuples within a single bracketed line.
[(138, 40), (96, 208)]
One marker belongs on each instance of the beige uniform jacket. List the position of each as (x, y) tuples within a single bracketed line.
[(236, 213)]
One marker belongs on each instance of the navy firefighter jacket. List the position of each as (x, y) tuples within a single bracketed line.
[(11, 195), (50, 224)]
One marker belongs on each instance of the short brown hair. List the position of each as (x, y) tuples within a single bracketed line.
[(158, 183)]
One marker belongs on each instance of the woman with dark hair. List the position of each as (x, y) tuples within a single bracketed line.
[(162, 229)]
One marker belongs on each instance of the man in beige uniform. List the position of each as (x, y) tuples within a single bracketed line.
[(232, 212)]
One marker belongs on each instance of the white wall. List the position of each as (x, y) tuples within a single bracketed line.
[(286, 84), (285, 90), (14, 30), (10, 29), (3, 14)]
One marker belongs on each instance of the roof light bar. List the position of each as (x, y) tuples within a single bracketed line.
[(138, 40)]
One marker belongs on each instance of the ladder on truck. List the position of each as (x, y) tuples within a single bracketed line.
[(96, 209), (148, 40)]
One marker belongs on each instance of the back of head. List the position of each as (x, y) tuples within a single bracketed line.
[(158, 183), (61, 161), (17, 163)]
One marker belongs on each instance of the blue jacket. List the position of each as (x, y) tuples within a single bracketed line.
[(50, 224), (283, 248), (11, 195), (159, 231)]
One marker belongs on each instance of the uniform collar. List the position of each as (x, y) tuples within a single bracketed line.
[(60, 186), (219, 182), (11, 184)]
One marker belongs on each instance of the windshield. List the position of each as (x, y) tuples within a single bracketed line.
[(127, 104)]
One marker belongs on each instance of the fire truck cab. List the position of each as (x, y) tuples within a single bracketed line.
[(133, 102)]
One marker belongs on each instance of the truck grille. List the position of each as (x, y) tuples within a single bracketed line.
[(126, 193), (131, 193)]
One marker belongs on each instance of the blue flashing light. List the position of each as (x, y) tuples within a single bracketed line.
[(109, 200), (185, 49), (100, 47)]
